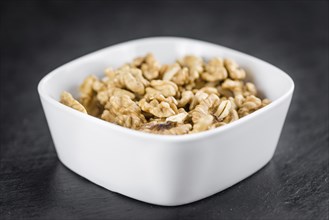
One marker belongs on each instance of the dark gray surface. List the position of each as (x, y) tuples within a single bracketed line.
[(37, 37)]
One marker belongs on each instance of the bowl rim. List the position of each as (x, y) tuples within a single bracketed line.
[(160, 137)]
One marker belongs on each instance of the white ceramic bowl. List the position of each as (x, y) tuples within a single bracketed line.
[(161, 169)]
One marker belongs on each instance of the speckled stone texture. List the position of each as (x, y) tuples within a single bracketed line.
[(38, 36)]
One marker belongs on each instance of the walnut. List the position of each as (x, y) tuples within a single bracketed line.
[(99, 86), (150, 67), (198, 97), (233, 85), (214, 70), (194, 64), (187, 97), (250, 89), (131, 79), (170, 71), (202, 112), (232, 116), (176, 74), (223, 110), (103, 96), (109, 77), (148, 64), (163, 87), (122, 104), (159, 106), (68, 100), (179, 118), (123, 111), (239, 99), (151, 93), (234, 70), (237, 88), (203, 124), (250, 104)]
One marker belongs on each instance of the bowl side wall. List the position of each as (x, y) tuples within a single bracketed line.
[(164, 173)]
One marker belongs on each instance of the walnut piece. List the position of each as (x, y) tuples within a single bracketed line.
[(202, 115), (198, 97), (215, 70), (159, 106), (223, 110), (194, 65), (68, 100), (103, 96), (131, 79), (150, 67), (179, 118), (123, 111), (234, 70), (163, 87), (187, 97), (176, 74), (250, 104)]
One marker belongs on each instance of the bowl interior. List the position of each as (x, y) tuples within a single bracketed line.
[(270, 81)]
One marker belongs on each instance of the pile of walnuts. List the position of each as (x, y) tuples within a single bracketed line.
[(189, 96)]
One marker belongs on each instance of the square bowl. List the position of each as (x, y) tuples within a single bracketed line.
[(162, 169)]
